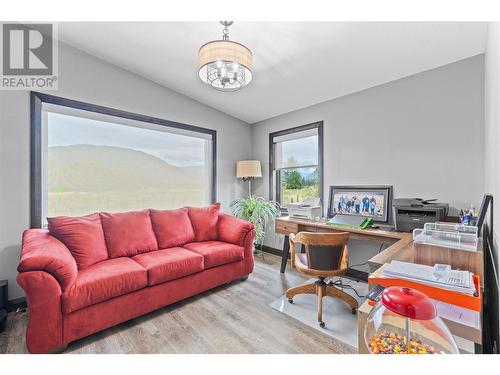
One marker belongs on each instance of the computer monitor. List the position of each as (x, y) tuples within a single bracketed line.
[(485, 204), (371, 201), (491, 324)]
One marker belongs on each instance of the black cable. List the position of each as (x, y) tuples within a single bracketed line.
[(340, 284)]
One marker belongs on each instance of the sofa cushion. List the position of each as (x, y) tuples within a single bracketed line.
[(204, 221), (169, 264), (103, 281), (128, 233), (172, 227), (217, 253), (83, 236)]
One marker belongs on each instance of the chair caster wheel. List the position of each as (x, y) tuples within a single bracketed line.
[(322, 324), (290, 300), (353, 311)]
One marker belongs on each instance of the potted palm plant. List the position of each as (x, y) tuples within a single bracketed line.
[(258, 211)]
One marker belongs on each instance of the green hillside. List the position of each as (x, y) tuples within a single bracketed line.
[(84, 179), (102, 168)]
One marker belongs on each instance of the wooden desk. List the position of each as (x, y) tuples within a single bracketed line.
[(401, 247), (398, 241)]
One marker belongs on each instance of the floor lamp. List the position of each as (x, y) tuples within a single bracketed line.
[(248, 170)]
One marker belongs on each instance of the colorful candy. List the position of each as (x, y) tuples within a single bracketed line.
[(393, 343)]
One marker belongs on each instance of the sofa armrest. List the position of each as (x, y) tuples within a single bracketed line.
[(43, 252), (45, 319), (233, 230)]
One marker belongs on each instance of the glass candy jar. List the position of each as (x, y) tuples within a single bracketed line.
[(404, 313)]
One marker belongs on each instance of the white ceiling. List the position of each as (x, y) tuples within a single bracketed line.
[(296, 64)]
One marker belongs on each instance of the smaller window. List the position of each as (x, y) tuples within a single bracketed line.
[(296, 172)]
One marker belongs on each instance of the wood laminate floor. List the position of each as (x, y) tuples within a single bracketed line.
[(235, 318)]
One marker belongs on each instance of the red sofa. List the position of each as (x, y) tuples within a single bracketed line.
[(86, 274)]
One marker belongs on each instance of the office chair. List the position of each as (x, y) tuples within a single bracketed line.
[(326, 255)]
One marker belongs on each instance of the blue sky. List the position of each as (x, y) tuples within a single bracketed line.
[(175, 149)]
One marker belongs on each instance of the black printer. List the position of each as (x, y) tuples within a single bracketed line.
[(411, 213)]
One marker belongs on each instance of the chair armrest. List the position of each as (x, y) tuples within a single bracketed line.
[(43, 252), (233, 230)]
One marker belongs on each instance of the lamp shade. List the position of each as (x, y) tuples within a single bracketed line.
[(248, 168)]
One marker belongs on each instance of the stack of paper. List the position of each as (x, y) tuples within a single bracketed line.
[(458, 314), (454, 280)]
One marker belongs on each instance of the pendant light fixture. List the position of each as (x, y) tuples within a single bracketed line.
[(225, 65)]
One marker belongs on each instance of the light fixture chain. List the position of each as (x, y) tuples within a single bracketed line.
[(225, 33)]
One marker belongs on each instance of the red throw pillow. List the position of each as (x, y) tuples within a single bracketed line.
[(172, 227), (83, 236), (204, 221), (128, 233)]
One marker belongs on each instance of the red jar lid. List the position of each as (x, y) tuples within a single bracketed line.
[(409, 303)]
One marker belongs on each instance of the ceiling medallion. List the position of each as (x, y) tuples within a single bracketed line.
[(225, 65)]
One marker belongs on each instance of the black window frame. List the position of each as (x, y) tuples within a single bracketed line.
[(276, 194), (36, 101)]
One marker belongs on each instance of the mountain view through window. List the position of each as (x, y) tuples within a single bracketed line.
[(94, 165)]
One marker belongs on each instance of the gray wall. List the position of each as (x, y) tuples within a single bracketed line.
[(424, 134), (492, 120), (86, 78)]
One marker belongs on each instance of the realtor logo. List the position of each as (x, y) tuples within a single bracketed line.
[(29, 56)]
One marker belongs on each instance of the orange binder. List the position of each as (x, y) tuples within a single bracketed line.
[(443, 295)]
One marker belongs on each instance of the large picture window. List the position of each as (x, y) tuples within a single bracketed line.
[(88, 159), (296, 159)]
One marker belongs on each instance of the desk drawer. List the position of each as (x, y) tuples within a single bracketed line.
[(286, 228), (309, 228)]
